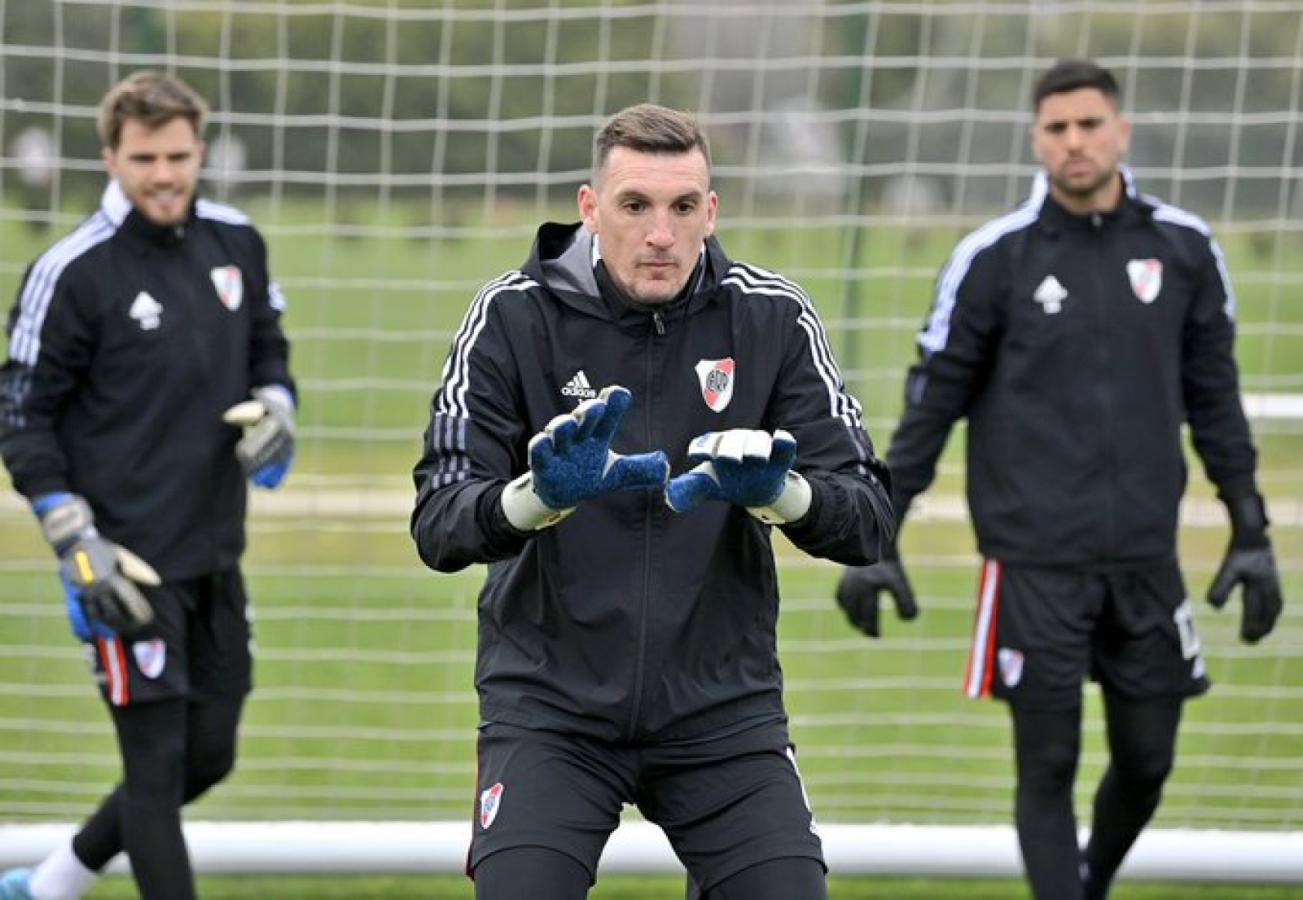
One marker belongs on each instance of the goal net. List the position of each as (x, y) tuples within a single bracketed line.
[(398, 154)]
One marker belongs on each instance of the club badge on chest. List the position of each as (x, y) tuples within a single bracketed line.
[(716, 377), (1146, 277), (229, 284)]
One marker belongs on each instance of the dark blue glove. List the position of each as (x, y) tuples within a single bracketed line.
[(99, 578), (746, 468), (571, 461), (266, 451)]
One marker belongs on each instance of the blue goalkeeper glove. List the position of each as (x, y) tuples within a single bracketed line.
[(100, 579), (571, 461), (746, 468), (266, 451)]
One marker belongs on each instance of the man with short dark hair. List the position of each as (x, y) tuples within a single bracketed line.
[(1077, 334), (140, 345), (627, 648)]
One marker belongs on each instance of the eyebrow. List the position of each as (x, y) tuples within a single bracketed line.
[(632, 194), (147, 154), (1080, 120)]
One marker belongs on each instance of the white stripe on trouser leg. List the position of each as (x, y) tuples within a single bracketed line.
[(805, 796), (979, 653), (114, 670)]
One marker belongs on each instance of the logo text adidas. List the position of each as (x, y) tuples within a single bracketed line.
[(578, 386)]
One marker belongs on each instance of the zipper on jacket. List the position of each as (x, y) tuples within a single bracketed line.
[(649, 520), (1105, 382)]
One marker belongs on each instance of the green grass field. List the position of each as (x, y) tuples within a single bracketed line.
[(365, 707)]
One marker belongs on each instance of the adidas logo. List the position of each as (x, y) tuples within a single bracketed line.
[(1050, 295), (147, 311), (578, 386)]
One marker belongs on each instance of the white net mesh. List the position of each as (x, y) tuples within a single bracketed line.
[(397, 154)]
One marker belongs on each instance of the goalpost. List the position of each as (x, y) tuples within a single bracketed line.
[(397, 153)]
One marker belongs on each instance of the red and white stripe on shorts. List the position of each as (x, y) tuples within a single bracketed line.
[(114, 659), (981, 655)]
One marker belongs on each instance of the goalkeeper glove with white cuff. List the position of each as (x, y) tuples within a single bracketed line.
[(571, 460), (747, 468), (1250, 562), (100, 579), (267, 449)]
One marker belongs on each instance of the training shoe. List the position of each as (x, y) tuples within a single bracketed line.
[(16, 885)]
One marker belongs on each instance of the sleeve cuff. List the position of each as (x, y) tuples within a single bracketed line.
[(504, 537), (808, 524)]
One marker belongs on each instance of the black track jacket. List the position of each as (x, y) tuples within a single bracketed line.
[(628, 621), (1077, 346), (126, 344)]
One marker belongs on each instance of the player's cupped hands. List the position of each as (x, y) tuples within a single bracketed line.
[(745, 467), (571, 461)]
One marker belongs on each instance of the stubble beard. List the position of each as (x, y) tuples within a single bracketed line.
[(1083, 192)]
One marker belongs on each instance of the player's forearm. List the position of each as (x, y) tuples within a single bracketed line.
[(1221, 436), (29, 444), (462, 524), (937, 394), (912, 459), (849, 520), (34, 460), (269, 360)]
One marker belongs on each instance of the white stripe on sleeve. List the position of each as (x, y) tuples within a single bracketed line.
[(38, 291), (1165, 212)]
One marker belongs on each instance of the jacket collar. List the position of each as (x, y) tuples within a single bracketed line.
[(117, 208), (1054, 217), (567, 260)]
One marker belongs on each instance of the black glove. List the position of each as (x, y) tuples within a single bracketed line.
[(857, 592), (1250, 562)]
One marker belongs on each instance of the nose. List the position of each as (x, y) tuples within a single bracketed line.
[(661, 235), (162, 170)]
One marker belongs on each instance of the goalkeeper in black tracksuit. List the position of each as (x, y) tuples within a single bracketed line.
[(627, 646), (1077, 334), (138, 346)]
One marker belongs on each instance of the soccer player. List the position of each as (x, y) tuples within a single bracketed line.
[(1077, 334), (627, 648), (129, 339)]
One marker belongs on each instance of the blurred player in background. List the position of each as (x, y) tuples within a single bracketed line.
[(139, 346), (1077, 334), (627, 648)]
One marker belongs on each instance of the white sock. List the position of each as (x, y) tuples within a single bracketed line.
[(62, 876)]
